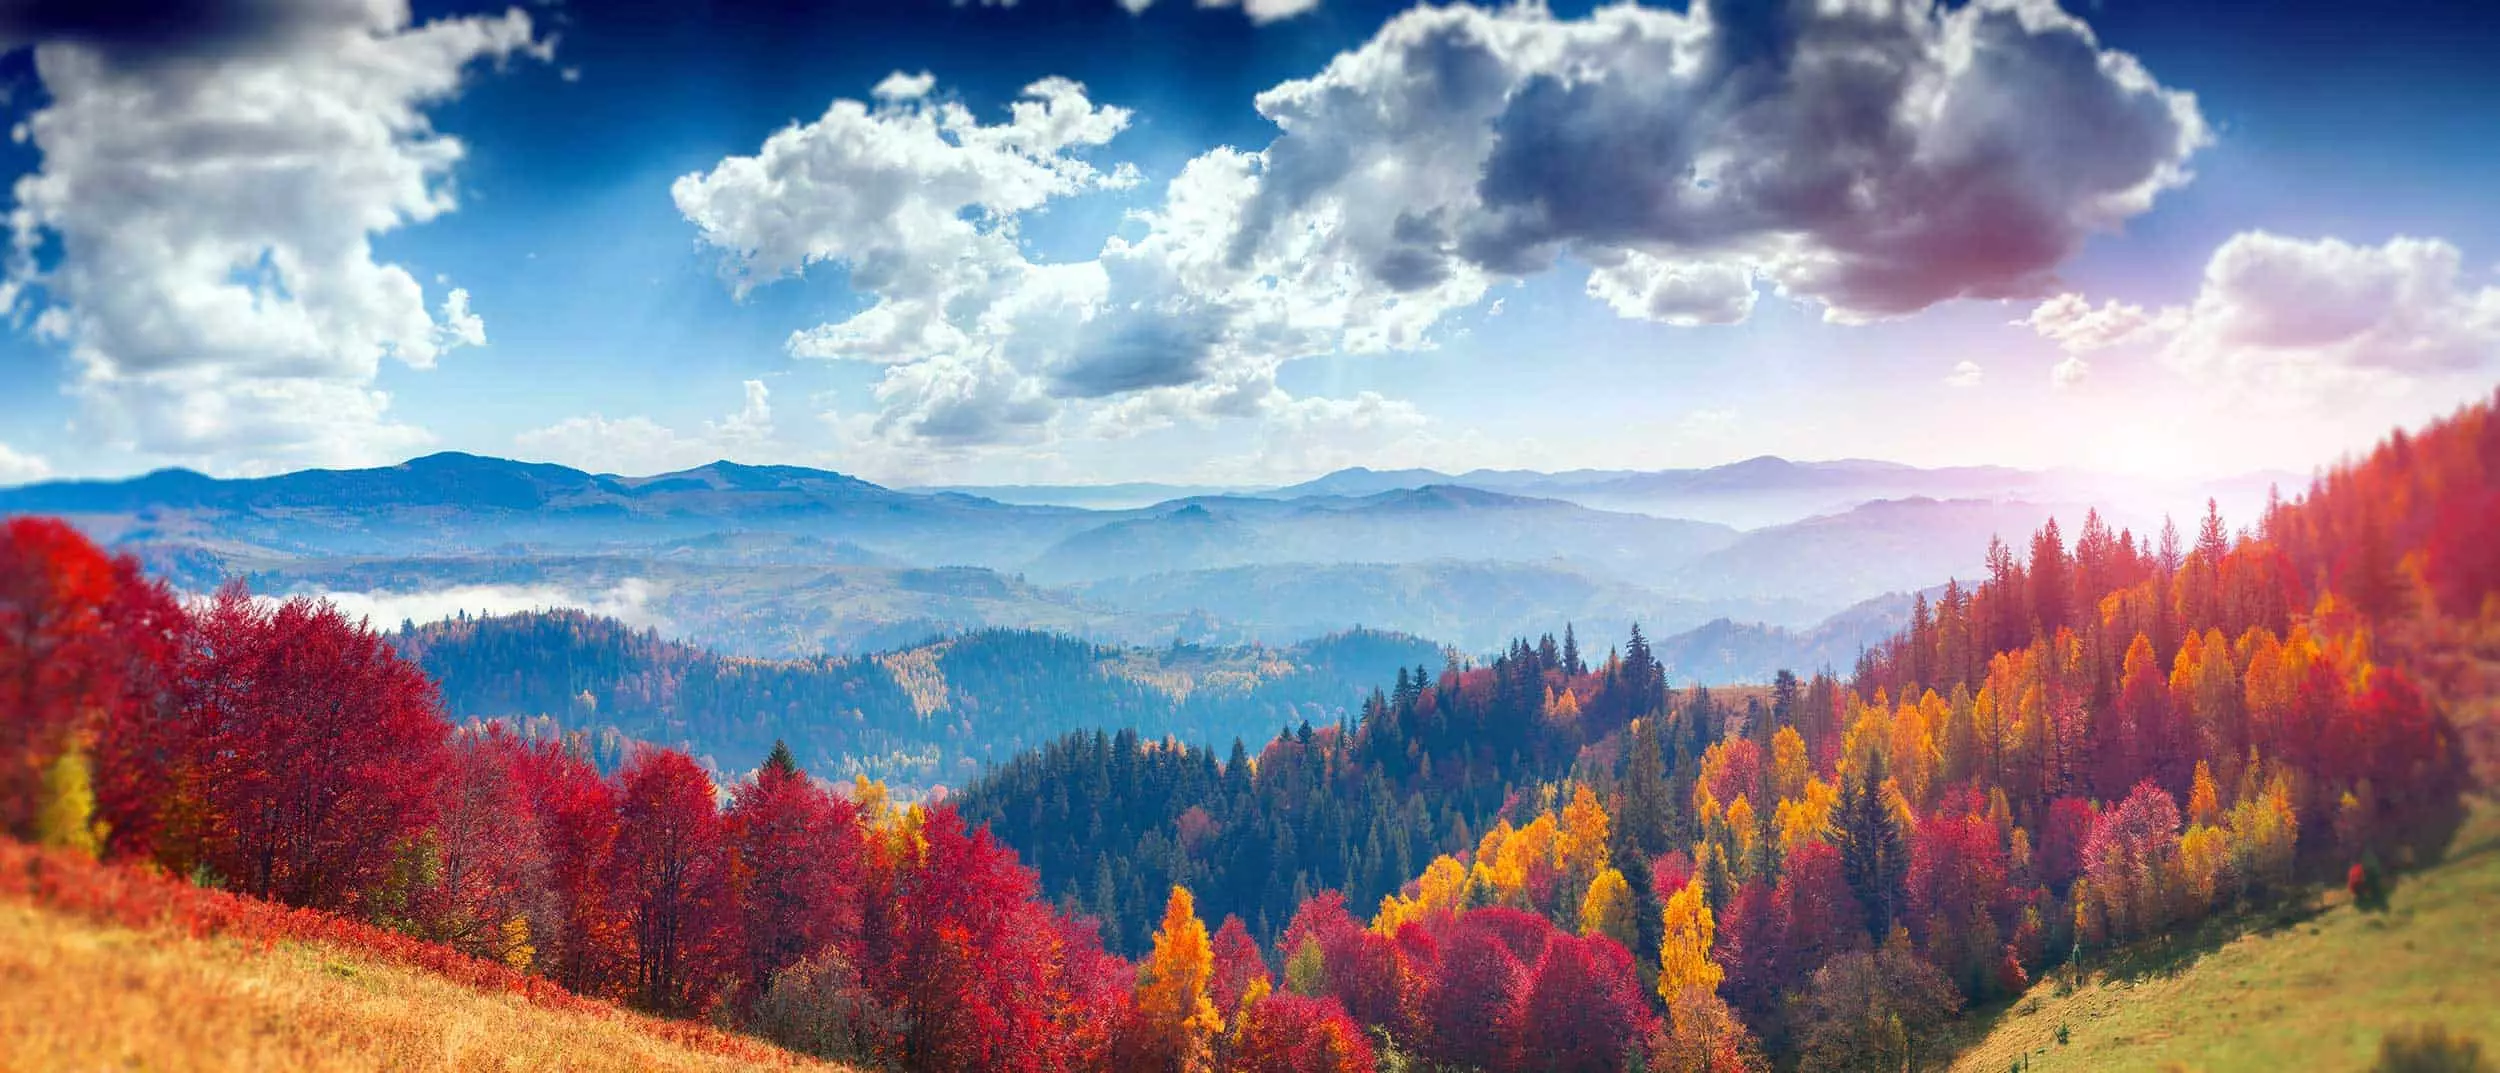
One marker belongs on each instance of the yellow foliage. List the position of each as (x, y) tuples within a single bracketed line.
[(1172, 981), (1789, 766), (1684, 954), (1441, 890), (1585, 832), (67, 819), (1807, 818), (1608, 909)]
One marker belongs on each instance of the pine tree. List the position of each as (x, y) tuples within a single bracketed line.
[(1873, 854)]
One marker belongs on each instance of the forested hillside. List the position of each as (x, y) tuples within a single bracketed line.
[(1545, 861), (929, 715)]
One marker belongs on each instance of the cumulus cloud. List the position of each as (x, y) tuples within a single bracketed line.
[(1964, 374), (629, 601), (1688, 294), (1871, 159), (2303, 318), (199, 234), (638, 445), (2069, 371), (1876, 159), (17, 467), (2070, 321)]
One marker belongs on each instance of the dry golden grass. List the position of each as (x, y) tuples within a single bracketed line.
[(78, 996)]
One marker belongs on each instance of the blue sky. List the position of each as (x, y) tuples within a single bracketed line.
[(2233, 237)]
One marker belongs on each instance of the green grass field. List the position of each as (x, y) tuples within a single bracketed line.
[(2310, 990)]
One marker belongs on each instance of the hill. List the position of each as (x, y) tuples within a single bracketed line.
[(2310, 991), (84, 995), (1403, 525), (933, 712), (1835, 560)]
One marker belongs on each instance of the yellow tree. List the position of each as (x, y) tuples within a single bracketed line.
[(67, 819), (1176, 1017), (1789, 768), (1441, 890), (1684, 955), (1581, 847), (1608, 909)]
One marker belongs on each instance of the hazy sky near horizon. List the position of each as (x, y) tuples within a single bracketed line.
[(1111, 240)]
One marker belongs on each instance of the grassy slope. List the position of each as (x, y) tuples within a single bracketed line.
[(79, 995), (2312, 992)]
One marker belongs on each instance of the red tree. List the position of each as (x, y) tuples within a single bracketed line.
[(799, 851), (1958, 898), (1472, 1007), (489, 883), (669, 878), (1584, 1009), (80, 635), (582, 939), (1286, 1033), (1819, 918), (318, 747), (1237, 962)]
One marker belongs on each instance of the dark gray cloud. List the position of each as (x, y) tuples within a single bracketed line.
[(151, 31), (1876, 158)]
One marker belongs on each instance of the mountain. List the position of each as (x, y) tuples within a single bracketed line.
[(1477, 606), (1434, 522), (1362, 481), (1836, 560), (1770, 490), (1129, 495), (464, 503), (930, 713)]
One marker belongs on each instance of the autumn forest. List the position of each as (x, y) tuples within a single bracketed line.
[(1555, 859)]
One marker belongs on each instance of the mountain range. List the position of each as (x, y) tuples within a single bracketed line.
[(786, 561)]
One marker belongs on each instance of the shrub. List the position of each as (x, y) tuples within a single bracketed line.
[(2429, 1049)]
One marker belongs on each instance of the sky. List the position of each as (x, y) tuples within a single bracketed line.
[(1081, 241)]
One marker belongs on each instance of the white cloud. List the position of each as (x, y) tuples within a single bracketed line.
[(2325, 311), (1260, 11), (628, 601), (1965, 374), (2303, 320), (213, 198), (461, 327), (1687, 294), (1872, 161), (2070, 321), (2069, 371), (638, 446), (17, 467)]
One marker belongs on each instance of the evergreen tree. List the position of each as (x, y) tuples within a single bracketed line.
[(1874, 856)]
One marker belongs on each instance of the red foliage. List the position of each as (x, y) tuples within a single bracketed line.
[(1287, 1033), (1472, 1006), (1749, 948), (1584, 1008), (1960, 906), (2059, 855), (968, 959), (79, 636), (1819, 918), (581, 940), (1237, 962), (668, 878), (799, 852), (319, 750)]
